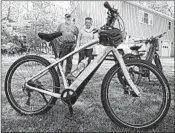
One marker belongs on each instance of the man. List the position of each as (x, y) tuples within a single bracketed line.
[(67, 41)]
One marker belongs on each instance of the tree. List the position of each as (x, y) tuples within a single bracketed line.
[(160, 6), (34, 16)]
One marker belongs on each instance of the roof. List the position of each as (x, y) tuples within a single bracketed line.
[(151, 10)]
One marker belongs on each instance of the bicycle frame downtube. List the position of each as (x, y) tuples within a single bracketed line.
[(41, 73), (125, 71), (90, 68)]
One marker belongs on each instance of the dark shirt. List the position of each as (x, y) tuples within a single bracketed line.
[(69, 33)]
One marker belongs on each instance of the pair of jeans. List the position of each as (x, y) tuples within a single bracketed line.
[(66, 49), (85, 53)]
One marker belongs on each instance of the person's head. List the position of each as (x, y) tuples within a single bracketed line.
[(88, 22), (67, 18)]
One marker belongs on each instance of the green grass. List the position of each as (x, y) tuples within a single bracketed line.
[(89, 115)]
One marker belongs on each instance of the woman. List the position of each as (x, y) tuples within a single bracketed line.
[(86, 35)]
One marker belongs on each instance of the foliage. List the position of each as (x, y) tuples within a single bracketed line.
[(5, 37), (160, 6), (30, 18)]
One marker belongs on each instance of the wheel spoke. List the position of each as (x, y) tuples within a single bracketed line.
[(28, 101), (124, 108)]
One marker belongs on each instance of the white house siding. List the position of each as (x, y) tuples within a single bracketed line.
[(130, 13)]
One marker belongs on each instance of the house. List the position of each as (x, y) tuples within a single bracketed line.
[(140, 21)]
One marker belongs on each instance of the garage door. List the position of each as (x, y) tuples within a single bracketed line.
[(165, 49)]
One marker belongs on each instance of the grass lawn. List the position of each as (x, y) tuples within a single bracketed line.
[(89, 115)]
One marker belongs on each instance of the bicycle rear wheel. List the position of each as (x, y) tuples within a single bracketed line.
[(158, 62), (130, 56), (26, 101), (136, 112)]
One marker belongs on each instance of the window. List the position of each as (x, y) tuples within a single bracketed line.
[(145, 17), (169, 25)]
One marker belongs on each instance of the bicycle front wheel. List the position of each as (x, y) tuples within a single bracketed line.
[(26, 101), (136, 112)]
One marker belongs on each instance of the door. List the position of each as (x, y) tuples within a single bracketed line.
[(165, 48)]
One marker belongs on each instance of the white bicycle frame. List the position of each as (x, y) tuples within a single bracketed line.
[(86, 72)]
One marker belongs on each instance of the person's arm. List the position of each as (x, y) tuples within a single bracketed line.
[(93, 36), (76, 33), (79, 39)]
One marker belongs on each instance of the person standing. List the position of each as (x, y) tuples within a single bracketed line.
[(67, 41), (86, 35)]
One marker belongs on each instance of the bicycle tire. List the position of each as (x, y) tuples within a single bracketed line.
[(110, 112), (158, 62), (129, 56), (14, 70)]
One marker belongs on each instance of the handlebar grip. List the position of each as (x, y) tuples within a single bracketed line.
[(108, 6)]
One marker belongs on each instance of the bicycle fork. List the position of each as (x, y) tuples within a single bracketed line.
[(125, 71)]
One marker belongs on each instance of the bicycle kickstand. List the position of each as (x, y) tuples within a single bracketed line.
[(69, 115)]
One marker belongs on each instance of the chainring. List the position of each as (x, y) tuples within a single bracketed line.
[(68, 97)]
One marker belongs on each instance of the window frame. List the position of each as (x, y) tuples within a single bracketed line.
[(142, 18)]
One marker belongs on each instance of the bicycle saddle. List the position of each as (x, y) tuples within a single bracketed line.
[(135, 47), (49, 37)]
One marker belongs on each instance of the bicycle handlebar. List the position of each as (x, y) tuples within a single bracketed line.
[(108, 6), (150, 39), (112, 15), (161, 35)]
